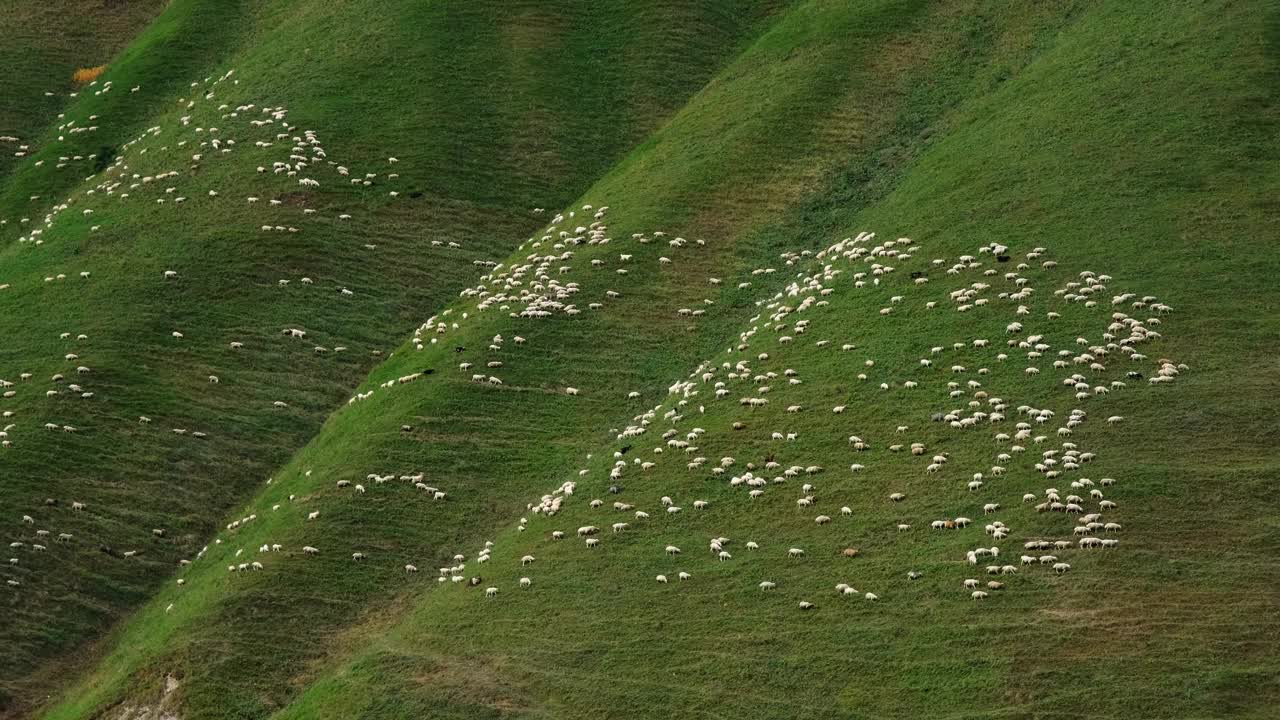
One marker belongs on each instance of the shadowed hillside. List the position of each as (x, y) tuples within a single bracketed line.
[(45, 44)]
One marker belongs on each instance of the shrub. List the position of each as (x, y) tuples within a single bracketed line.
[(84, 76)]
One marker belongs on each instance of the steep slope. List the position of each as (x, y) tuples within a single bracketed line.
[(1124, 148), (160, 179), (45, 43), (234, 642), (1126, 145)]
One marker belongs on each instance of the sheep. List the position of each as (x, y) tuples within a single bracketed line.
[(491, 592), (795, 553), (662, 579), (767, 585)]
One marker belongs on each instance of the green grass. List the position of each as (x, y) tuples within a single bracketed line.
[(45, 43), (1128, 144), (137, 477)]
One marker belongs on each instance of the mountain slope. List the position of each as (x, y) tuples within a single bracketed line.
[(1130, 146), (576, 351), (1036, 162), (127, 225), (45, 43)]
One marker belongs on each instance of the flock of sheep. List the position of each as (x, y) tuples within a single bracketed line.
[(154, 167), (757, 398), (1036, 465)]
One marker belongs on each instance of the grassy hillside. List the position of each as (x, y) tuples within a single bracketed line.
[(461, 133), (45, 43), (1132, 146), (1140, 172), (1123, 148)]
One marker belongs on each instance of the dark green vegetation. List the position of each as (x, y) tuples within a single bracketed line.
[(474, 184), (45, 42), (1134, 144)]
